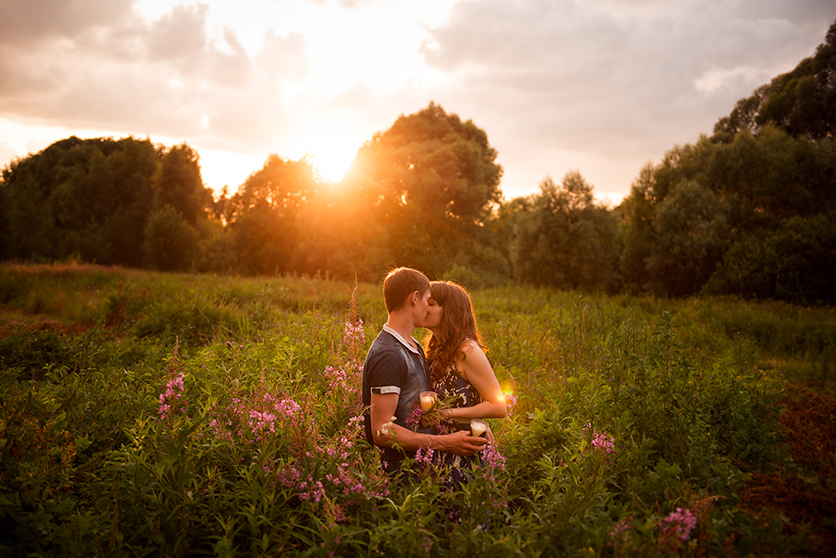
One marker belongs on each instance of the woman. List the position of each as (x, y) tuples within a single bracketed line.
[(459, 368)]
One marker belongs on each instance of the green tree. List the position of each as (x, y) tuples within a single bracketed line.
[(432, 181), (800, 102), (178, 183), (88, 198), (771, 160), (691, 233), (339, 235), (216, 250), (170, 241), (796, 263), (565, 240), (636, 212), (263, 215)]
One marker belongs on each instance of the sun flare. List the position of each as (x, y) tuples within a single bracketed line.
[(332, 142), (332, 159)]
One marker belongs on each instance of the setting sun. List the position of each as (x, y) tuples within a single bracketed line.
[(332, 156)]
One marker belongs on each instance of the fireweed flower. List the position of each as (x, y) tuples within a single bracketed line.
[(600, 440), (424, 457), (347, 378), (172, 397), (254, 418), (353, 335), (492, 461), (510, 403), (331, 473), (621, 532), (679, 524), (354, 339), (415, 418), (427, 545)]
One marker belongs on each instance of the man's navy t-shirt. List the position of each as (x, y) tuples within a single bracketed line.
[(393, 365)]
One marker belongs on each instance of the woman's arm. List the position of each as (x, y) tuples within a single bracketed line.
[(474, 366)]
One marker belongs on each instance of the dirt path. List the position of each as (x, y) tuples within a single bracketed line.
[(805, 495)]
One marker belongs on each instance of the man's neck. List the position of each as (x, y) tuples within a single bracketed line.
[(402, 323)]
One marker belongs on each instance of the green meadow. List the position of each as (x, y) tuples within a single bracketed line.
[(155, 414)]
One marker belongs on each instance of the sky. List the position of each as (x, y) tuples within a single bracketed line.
[(598, 86)]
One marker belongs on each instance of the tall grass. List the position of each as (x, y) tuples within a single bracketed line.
[(218, 415)]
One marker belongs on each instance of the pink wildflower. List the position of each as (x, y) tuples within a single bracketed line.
[(424, 457), (493, 461), (679, 523), (600, 440), (415, 418), (510, 403), (620, 533), (172, 396)]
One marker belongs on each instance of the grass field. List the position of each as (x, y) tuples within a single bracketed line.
[(180, 415)]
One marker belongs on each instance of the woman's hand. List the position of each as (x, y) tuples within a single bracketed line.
[(489, 435)]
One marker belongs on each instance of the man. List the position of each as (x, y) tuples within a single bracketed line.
[(396, 372)]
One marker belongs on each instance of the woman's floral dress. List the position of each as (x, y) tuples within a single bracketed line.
[(454, 385)]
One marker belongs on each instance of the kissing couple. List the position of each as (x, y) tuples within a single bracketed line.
[(396, 372)]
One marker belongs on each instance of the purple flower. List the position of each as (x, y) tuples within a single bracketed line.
[(510, 402), (172, 395), (600, 440), (424, 457), (620, 532), (493, 461), (415, 418), (679, 523)]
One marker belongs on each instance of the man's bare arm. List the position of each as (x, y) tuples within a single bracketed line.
[(387, 433)]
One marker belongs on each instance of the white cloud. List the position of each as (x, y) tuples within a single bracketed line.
[(611, 82), (598, 85)]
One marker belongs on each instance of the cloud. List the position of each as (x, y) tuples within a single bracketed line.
[(6, 154), (24, 23), (599, 85), (614, 78), (167, 77), (179, 35)]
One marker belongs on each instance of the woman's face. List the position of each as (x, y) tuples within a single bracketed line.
[(434, 313)]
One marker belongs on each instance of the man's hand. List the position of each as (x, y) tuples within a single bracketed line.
[(461, 443)]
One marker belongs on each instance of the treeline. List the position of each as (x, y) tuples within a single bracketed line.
[(422, 193), (749, 210)]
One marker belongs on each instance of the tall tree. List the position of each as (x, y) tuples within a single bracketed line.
[(263, 214), (170, 241), (339, 234), (178, 183), (431, 180), (566, 240), (800, 102), (691, 233), (636, 213), (88, 198)]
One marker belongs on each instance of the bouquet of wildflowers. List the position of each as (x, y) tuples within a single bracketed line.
[(432, 416)]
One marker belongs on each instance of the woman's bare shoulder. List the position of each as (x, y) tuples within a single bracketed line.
[(467, 348)]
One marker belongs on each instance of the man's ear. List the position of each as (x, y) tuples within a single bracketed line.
[(413, 298)]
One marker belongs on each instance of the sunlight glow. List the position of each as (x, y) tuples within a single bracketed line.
[(225, 168), (332, 152), (348, 56)]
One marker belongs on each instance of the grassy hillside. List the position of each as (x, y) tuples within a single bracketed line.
[(145, 413)]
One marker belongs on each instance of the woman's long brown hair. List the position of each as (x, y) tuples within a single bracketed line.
[(458, 323)]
